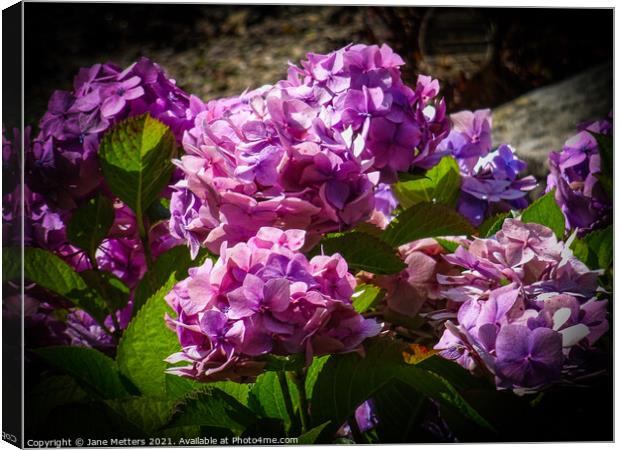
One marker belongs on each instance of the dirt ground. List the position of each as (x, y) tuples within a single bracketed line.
[(483, 57)]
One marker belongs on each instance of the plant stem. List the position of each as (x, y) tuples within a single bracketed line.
[(300, 382), (286, 394), (358, 437), (144, 238)]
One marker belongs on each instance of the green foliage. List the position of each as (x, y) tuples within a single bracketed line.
[(606, 151), (94, 371), (278, 363), (596, 248), (545, 211), (492, 225), (401, 411), (172, 263), (144, 413), (366, 296), (313, 373), (146, 343), (348, 380), (90, 224), (267, 399), (55, 275), (135, 157), (110, 288), (426, 220), (362, 252), (310, 436), (447, 245), (441, 184), (212, 408)]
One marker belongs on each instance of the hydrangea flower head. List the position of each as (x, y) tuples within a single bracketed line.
[(63, 159), (263, 159), (306, 153), (527, 304), (573, 173), (263, 297), (494, 186)]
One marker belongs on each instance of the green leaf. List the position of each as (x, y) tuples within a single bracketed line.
[(601, 244), (159, 210), (112, 289), (310, 436), (147, 341), (91, 223), (492, 224), (135, 157), (581, 250), (278, 363), (440, 185), (145, 413), (606, 151), (267, 399), (213, 408), (51, 392), (449, 246), (400, 411), (366, 296), (362, 252), (346, 381), (313, 372), (545, 211), (92, 369), (55, 275), (172, 263), (426, 220)]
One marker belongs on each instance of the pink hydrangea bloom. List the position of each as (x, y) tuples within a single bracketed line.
[(527, 304), (306, 153), (260, 297)]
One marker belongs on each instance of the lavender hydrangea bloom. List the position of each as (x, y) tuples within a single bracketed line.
[(493, 186), (525, 304), (490, 180), (573, 173), (470, 137), (263, 297), (62, 161)]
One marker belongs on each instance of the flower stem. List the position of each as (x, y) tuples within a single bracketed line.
[(286, 394), (300, 382)]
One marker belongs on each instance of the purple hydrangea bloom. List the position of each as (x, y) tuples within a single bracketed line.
[(360, 86), (470, 137), (263, 297), (365, 417), (573, 173), (493, 186), (526, 303), (490, 181), (62, 161)]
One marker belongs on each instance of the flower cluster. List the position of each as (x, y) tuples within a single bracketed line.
[(306, 153), (416, 286), (490, 180), (527, 306), (260, 297), (62, 161), (574, 174), (62, 172)]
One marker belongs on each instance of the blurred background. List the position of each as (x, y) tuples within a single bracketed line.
[(483, 57)]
